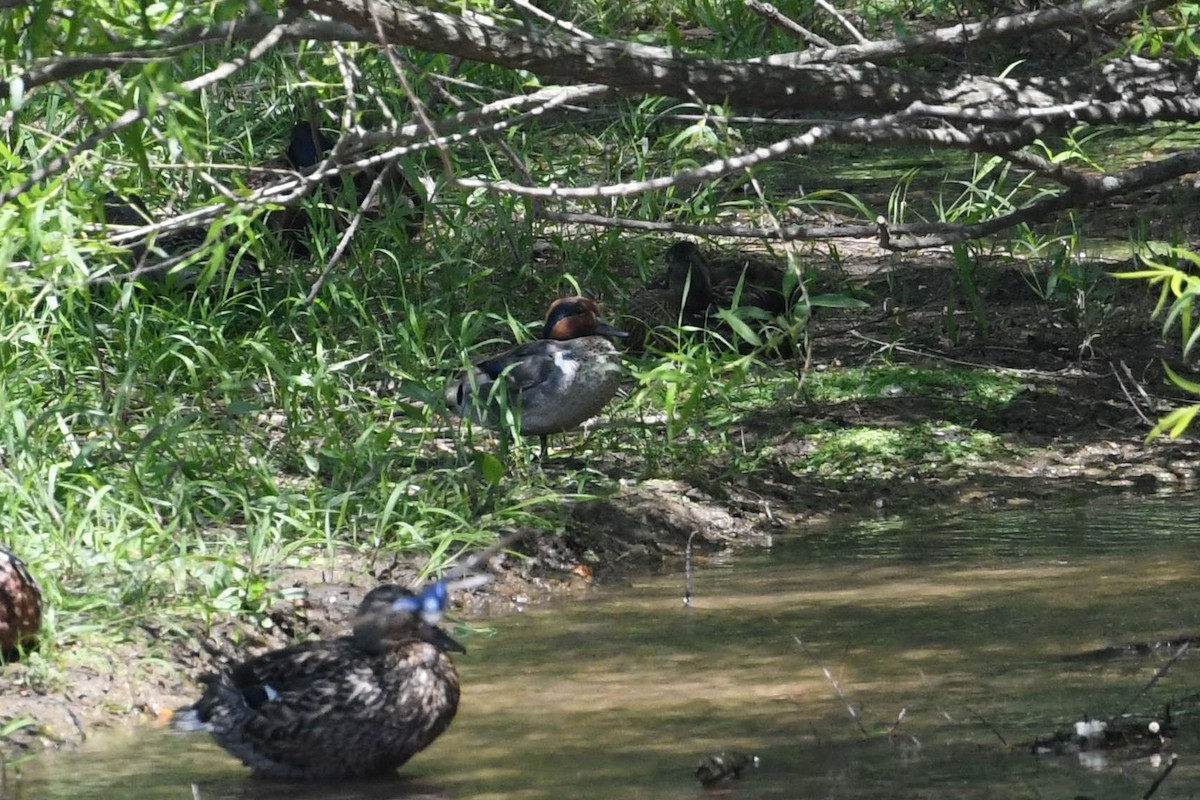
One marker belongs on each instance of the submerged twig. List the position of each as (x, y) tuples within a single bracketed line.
[(687, 570), (1162, 776), (988, 725), (1158, 675), (1128, 396), (849, 706), (895, 726)]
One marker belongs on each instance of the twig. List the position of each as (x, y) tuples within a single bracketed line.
[(1162, 776), (942, 357), (777, 18), (1133, 403), (1158, 675), (849, 706), (530, 8), (687, 570), (348, 234), (849, 26), (895, 726), (988, 725)]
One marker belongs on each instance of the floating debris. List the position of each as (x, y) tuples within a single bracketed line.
[(726, 764), (1150, 736)]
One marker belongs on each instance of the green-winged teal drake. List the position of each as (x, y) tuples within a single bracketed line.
[(554, 384)]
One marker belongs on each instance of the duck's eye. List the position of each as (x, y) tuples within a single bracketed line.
[(258, 696)]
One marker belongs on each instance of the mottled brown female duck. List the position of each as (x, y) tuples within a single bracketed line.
[(682, 296), (357, 706), (20, 605), (554, 384), (695, 288), (761, 282)]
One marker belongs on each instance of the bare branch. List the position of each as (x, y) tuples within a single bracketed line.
[(1098, 190), (627, 66), (952, 38), (782, 233), (138, 113), (845, 23), (1058, 173), (786, 24)]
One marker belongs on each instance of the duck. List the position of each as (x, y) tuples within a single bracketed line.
[(307, 146), (717, 767), (555, 383), (20, 605), (694, 288), (761, 282), (358, 706), (682, 296)]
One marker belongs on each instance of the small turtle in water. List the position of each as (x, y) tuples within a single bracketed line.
[(727, 764)]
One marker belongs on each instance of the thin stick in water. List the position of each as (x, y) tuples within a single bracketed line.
[(687, 571), (1162, 776)]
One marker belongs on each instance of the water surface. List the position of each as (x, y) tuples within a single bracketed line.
[(949, 637)]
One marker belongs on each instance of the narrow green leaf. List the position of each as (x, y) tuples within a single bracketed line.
[(1189, 386), (837, 301)]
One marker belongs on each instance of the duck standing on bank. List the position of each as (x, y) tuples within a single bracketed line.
[(357, 706), (554, 384)]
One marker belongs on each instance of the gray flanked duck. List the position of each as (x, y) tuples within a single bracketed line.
[(554, 384)]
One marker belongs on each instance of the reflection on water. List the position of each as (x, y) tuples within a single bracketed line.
[(946, 636)]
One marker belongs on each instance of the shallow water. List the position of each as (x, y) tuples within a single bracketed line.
[(960, 624)]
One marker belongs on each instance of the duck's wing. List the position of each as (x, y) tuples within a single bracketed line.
[(523, 367), (318, 708), (286, 686)]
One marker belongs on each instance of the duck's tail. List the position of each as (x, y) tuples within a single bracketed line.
[(187, 720)]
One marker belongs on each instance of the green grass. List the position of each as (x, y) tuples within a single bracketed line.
[(923, 449), (983, 390)]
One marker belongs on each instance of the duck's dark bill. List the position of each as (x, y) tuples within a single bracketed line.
[(604, 329), (440, 639)]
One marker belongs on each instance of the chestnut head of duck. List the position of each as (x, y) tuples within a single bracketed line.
[(576, 317)]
